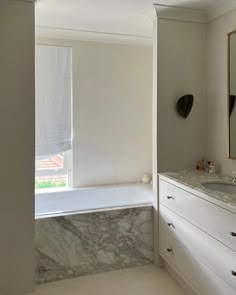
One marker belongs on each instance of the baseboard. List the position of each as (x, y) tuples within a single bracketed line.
[(189, 290)]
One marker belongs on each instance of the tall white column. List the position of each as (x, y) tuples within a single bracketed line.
[(178, 68)]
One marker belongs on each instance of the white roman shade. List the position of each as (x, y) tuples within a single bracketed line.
[(53, 100)]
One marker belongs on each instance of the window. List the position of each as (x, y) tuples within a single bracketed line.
[(53, 115), (52, 172)]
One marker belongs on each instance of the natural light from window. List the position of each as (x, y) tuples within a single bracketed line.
[(53, 108), (51, 172)]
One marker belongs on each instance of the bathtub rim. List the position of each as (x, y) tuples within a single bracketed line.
[(138, 204), (57, 190), (78, 212)]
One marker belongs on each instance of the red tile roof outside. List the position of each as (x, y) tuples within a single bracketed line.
[(55, 162)]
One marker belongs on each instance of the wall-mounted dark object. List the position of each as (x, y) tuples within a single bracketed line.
[(232, 99), (184, 105)]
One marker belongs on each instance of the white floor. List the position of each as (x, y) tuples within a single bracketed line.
[(145, 280)]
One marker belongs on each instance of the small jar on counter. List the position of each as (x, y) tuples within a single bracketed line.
[(212, 168)]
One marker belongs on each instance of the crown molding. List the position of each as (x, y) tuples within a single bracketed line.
[(180, 13), (73, 34), (220, 9), (151, 15), (193, 15)]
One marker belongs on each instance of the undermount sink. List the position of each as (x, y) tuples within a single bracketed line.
[(223, 187)]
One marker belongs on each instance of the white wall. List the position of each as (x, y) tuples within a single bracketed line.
[(233, 92), (217, 93), (112, 112), (192, 57), (17, 146), (181, 70), (178, 69)]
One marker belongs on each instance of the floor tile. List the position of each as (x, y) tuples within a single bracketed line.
[(145, 280)]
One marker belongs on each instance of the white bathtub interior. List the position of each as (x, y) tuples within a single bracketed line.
[(82, 200)]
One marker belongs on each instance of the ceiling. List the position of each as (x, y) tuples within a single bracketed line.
[(116, 18)]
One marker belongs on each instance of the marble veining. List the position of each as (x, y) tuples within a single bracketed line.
[(193, 179), (83, 244)]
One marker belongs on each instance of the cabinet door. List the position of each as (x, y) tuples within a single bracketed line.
[(214, 220), (196, 247)]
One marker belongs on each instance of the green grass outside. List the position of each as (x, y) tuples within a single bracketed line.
[(49, 184)]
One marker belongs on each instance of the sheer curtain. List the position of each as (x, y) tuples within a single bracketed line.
[(53, 100)]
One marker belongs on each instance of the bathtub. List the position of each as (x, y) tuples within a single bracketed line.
[(54, 203), (114, 232)]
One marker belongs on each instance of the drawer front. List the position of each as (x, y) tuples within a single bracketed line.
[(198, 276), (198, 245), (216, 221)]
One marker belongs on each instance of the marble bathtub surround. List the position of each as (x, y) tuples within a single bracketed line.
[(193, 180), (84, 244)]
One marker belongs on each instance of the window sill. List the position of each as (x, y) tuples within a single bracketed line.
[(40, 191)]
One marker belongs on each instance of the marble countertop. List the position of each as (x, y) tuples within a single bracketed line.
[(193, 180)]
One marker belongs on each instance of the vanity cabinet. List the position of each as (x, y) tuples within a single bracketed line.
[(197, 240), (218, 222)]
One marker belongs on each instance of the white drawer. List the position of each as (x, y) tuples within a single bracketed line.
[(218, 222), (200, 278), (198, 246)]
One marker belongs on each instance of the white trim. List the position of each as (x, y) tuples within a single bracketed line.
[(74, 34), (172, 12), (180, 13), (220, 9), (168, 12)]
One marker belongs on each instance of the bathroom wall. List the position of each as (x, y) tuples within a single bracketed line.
[(233, 91), (112, 112), (181, 70), (178, 69), (17, 146), (217, 93), (192, 57), (112, 139)]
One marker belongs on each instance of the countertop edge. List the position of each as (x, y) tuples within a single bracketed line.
[(197, 192)]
